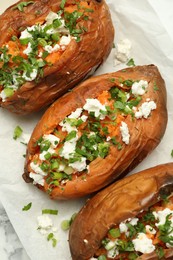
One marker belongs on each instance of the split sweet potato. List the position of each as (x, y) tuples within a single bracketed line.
[(131, 198), (36, 65), (108, 138)]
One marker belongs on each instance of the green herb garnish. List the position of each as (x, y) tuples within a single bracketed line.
[(27, 207), (50, 211), (17, 132)]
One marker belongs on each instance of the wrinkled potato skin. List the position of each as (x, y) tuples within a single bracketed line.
[(145, 134), (78, 61), (123, 199)]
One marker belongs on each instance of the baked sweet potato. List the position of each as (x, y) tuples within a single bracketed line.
[(97, 133), (47, 47), (131, 219)]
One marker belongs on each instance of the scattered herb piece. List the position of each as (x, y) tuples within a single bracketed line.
[(52, 238), (65, 224), (27, 207), (17, 132), (172, 153), (50, 211), (131, 63), (54, 242)]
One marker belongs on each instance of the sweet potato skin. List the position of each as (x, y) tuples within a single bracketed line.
[(118, 202), (78, 61), (145, 133)]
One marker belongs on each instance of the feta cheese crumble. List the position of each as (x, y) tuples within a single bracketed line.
[(68, 149), (79, 165), (139, 88), (145, 109), (76, 114), (36, 168), (161, 216), (54, 140), (51, 49), (37, 178), (125, 133), (94, 105), (143, 244), (122, 51), (37, 175), (44, 224)]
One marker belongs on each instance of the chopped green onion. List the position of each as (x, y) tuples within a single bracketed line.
[(27, 207), (102, 257), (50, 211), (62, 4), (56, 23), (50, 236), (65, 225), (115, 232), (54, 242), (54, 165), (47, 156), (17, 132), (24, 41), (8, 92), (21, 5), (71, 135)]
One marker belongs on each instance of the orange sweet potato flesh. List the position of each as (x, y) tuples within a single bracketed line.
[(77, 61), (120, 201), (145, 133)]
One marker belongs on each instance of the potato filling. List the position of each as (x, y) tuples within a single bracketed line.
[(25, 57), (85, 135), (150, 231)]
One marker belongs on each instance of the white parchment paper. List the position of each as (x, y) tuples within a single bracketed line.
[(149, 26)]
